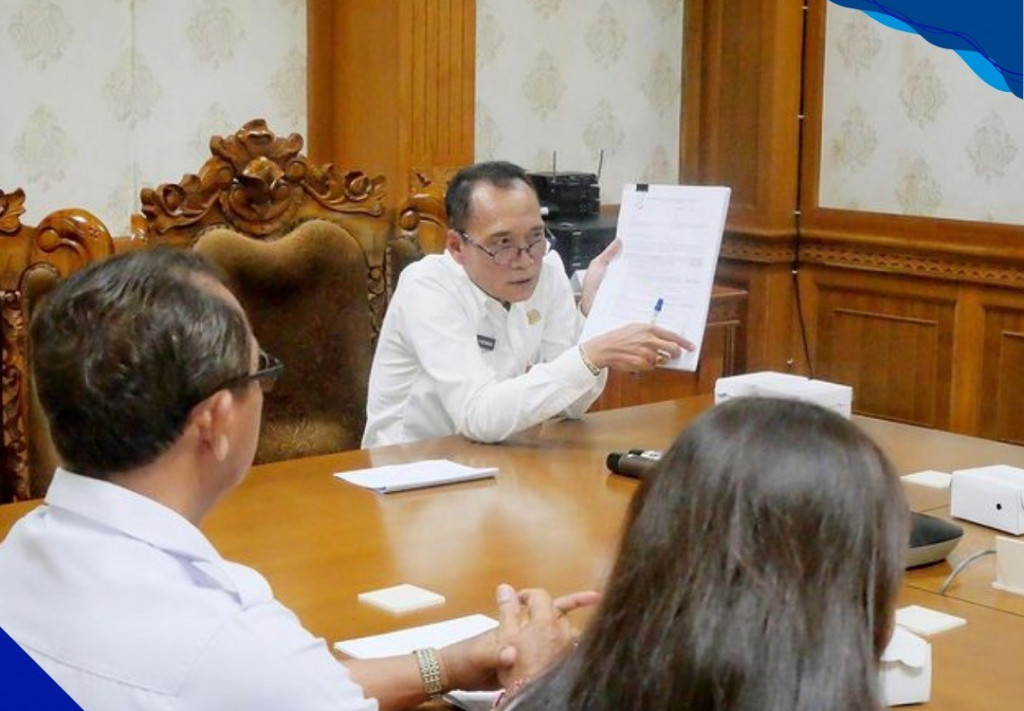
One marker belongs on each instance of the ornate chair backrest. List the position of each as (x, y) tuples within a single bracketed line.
[(308, 251), (34, 259), (423, 212)]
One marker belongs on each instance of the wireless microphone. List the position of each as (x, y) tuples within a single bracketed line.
[(636, 463)]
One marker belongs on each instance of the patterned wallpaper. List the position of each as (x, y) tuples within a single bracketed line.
[(107, 96), (909, 129), (576, 76)]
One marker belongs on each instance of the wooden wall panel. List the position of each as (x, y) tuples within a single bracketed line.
[(895, 352), (739, 123), (922, 316), (392, 86), (1002, 379)]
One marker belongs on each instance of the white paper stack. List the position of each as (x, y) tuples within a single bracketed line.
[(415, 475), (831, 396)]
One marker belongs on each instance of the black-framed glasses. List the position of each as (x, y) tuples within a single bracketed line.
[(505, 256), (268, 370)]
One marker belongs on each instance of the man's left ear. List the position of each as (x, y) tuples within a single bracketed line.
[(456, 245), (214, 423)]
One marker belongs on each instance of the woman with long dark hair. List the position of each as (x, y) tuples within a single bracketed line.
[(757, 571)]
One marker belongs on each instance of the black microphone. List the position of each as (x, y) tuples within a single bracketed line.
[(636, 463)]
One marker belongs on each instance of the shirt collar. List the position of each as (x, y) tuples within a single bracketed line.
[(134, 515), (482, 299)]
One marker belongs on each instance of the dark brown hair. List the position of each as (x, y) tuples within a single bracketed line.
[(124, 349), (758, 571), (457, 199)]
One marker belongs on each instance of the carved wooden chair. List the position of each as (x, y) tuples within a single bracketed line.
[(34, 260), (308, 251), (423, 213)]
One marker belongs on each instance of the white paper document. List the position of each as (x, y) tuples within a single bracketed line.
[(671, 235), (415, 475), (439, 634)]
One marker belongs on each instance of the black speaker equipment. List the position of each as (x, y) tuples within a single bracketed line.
[(568, 194), (581, 239), (931, 538)]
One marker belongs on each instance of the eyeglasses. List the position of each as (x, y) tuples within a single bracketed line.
[(268, 370), (507, 255)]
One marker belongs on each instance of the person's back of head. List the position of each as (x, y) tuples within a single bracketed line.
[(458, 197), (758, 570), (124, 349)]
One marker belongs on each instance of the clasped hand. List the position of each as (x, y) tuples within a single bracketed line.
[(533, 633)]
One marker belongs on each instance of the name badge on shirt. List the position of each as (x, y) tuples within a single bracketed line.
[(532, 316), (485, 342)]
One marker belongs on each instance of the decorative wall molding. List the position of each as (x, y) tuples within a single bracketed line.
[(754, 248), (850, 255), (993, 269)]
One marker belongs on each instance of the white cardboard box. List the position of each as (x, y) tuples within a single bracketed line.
[(906, 669), (992, 496), (831, 396)]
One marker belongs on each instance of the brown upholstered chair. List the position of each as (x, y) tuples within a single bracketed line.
[(34, 260), (308, 251)]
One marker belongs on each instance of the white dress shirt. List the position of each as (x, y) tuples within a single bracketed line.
[(127, 606), (451, 359)]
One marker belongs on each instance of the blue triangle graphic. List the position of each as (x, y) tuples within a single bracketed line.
[(25, 684)]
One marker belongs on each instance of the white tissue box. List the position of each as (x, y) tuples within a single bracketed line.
[(906, 669), (992, 496), (831, 396)]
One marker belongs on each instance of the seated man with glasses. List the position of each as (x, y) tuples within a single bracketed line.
[(152, 383), (483, 339)]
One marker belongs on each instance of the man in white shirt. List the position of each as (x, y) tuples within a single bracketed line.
[(482, 340), (152, 383)]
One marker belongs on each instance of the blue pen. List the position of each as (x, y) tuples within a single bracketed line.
[(657, 310)]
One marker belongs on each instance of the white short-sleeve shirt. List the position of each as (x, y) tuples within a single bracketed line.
[(452, 360), (127, 606)]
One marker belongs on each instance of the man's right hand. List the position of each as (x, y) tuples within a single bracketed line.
[(635, 346)]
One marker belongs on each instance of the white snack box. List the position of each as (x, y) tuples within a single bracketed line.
[(906, 669), (992, 496), (831, 396)]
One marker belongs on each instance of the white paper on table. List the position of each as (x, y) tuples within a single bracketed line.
[(438, 634), (415, 475), (671, 235)]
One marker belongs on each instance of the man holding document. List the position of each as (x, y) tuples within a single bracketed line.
[(484, 340), (152, 383)]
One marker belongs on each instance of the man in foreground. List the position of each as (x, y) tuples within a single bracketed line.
[(152, 383), (483, 339)]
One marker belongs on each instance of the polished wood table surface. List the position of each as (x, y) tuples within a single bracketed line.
[(552, 518)]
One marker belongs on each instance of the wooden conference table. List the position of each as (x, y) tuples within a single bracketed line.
[(551, 518)]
